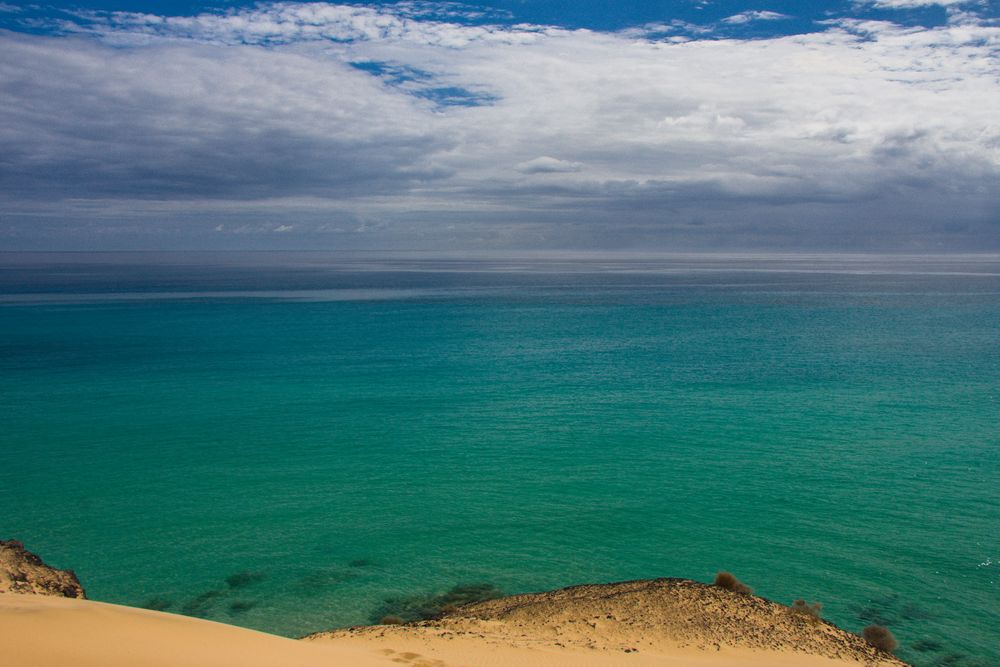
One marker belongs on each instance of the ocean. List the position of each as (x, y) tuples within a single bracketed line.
[(298, 441)]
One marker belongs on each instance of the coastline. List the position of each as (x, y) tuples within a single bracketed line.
[(674, 622), (640, 622)]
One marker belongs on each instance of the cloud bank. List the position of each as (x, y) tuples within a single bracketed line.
[(349, 126)]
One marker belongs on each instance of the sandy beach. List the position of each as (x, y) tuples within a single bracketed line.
[(658, 622), (43, 631)]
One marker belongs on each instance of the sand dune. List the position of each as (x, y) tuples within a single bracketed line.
[(663, 622), (658, 622), (45, 622), (37, 631)]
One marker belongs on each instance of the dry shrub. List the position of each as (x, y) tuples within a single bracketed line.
[(391, 620), (731, 583), (880, 637), (811, 611)]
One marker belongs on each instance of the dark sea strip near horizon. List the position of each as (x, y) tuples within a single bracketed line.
[(299, 441)]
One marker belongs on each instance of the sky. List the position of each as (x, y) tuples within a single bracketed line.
[(855, 125)]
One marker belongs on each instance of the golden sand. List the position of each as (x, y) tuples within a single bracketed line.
[(662, 622)]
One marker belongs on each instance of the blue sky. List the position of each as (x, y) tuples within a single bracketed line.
[(512, 125), (605, 15)]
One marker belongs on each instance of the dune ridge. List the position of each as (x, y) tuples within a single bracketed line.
[(46, 622), (658, 621)]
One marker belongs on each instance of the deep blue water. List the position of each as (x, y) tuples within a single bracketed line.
[(338, 430)]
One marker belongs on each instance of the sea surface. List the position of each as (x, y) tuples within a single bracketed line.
[(298, 441)]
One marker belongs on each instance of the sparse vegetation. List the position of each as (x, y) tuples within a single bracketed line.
[(728, 581), (391, 620), (812, 611), (880, 637)]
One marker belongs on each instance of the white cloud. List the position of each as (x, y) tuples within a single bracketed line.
[(260, 112), (284, 23), (547, 165), (754, 15), (913, 4)]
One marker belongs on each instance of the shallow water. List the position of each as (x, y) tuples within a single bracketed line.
[(284, 441)]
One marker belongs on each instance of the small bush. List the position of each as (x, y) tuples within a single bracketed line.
[(811, 611), (731, 583), (880, 637), (391, 620)]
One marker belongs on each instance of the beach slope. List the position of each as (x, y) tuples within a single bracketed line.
[(672, 622), (44, 631)]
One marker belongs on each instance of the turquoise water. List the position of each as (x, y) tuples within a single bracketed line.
[(338, 431)]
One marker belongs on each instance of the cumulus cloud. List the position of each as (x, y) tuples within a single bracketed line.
[(913, 4), (195, 121), (333, 120), (754, 15), (289, 22)]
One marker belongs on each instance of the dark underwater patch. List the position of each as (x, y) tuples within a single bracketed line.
[(958, 660), (244, 579), (912, 612), (926, 645), (426, 607), (157, 603), (890, 610), (242, 606), (360, 562), (318, 581), (874, 615), (201, 605)]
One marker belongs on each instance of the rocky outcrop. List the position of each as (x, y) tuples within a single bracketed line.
[(23, 572)]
